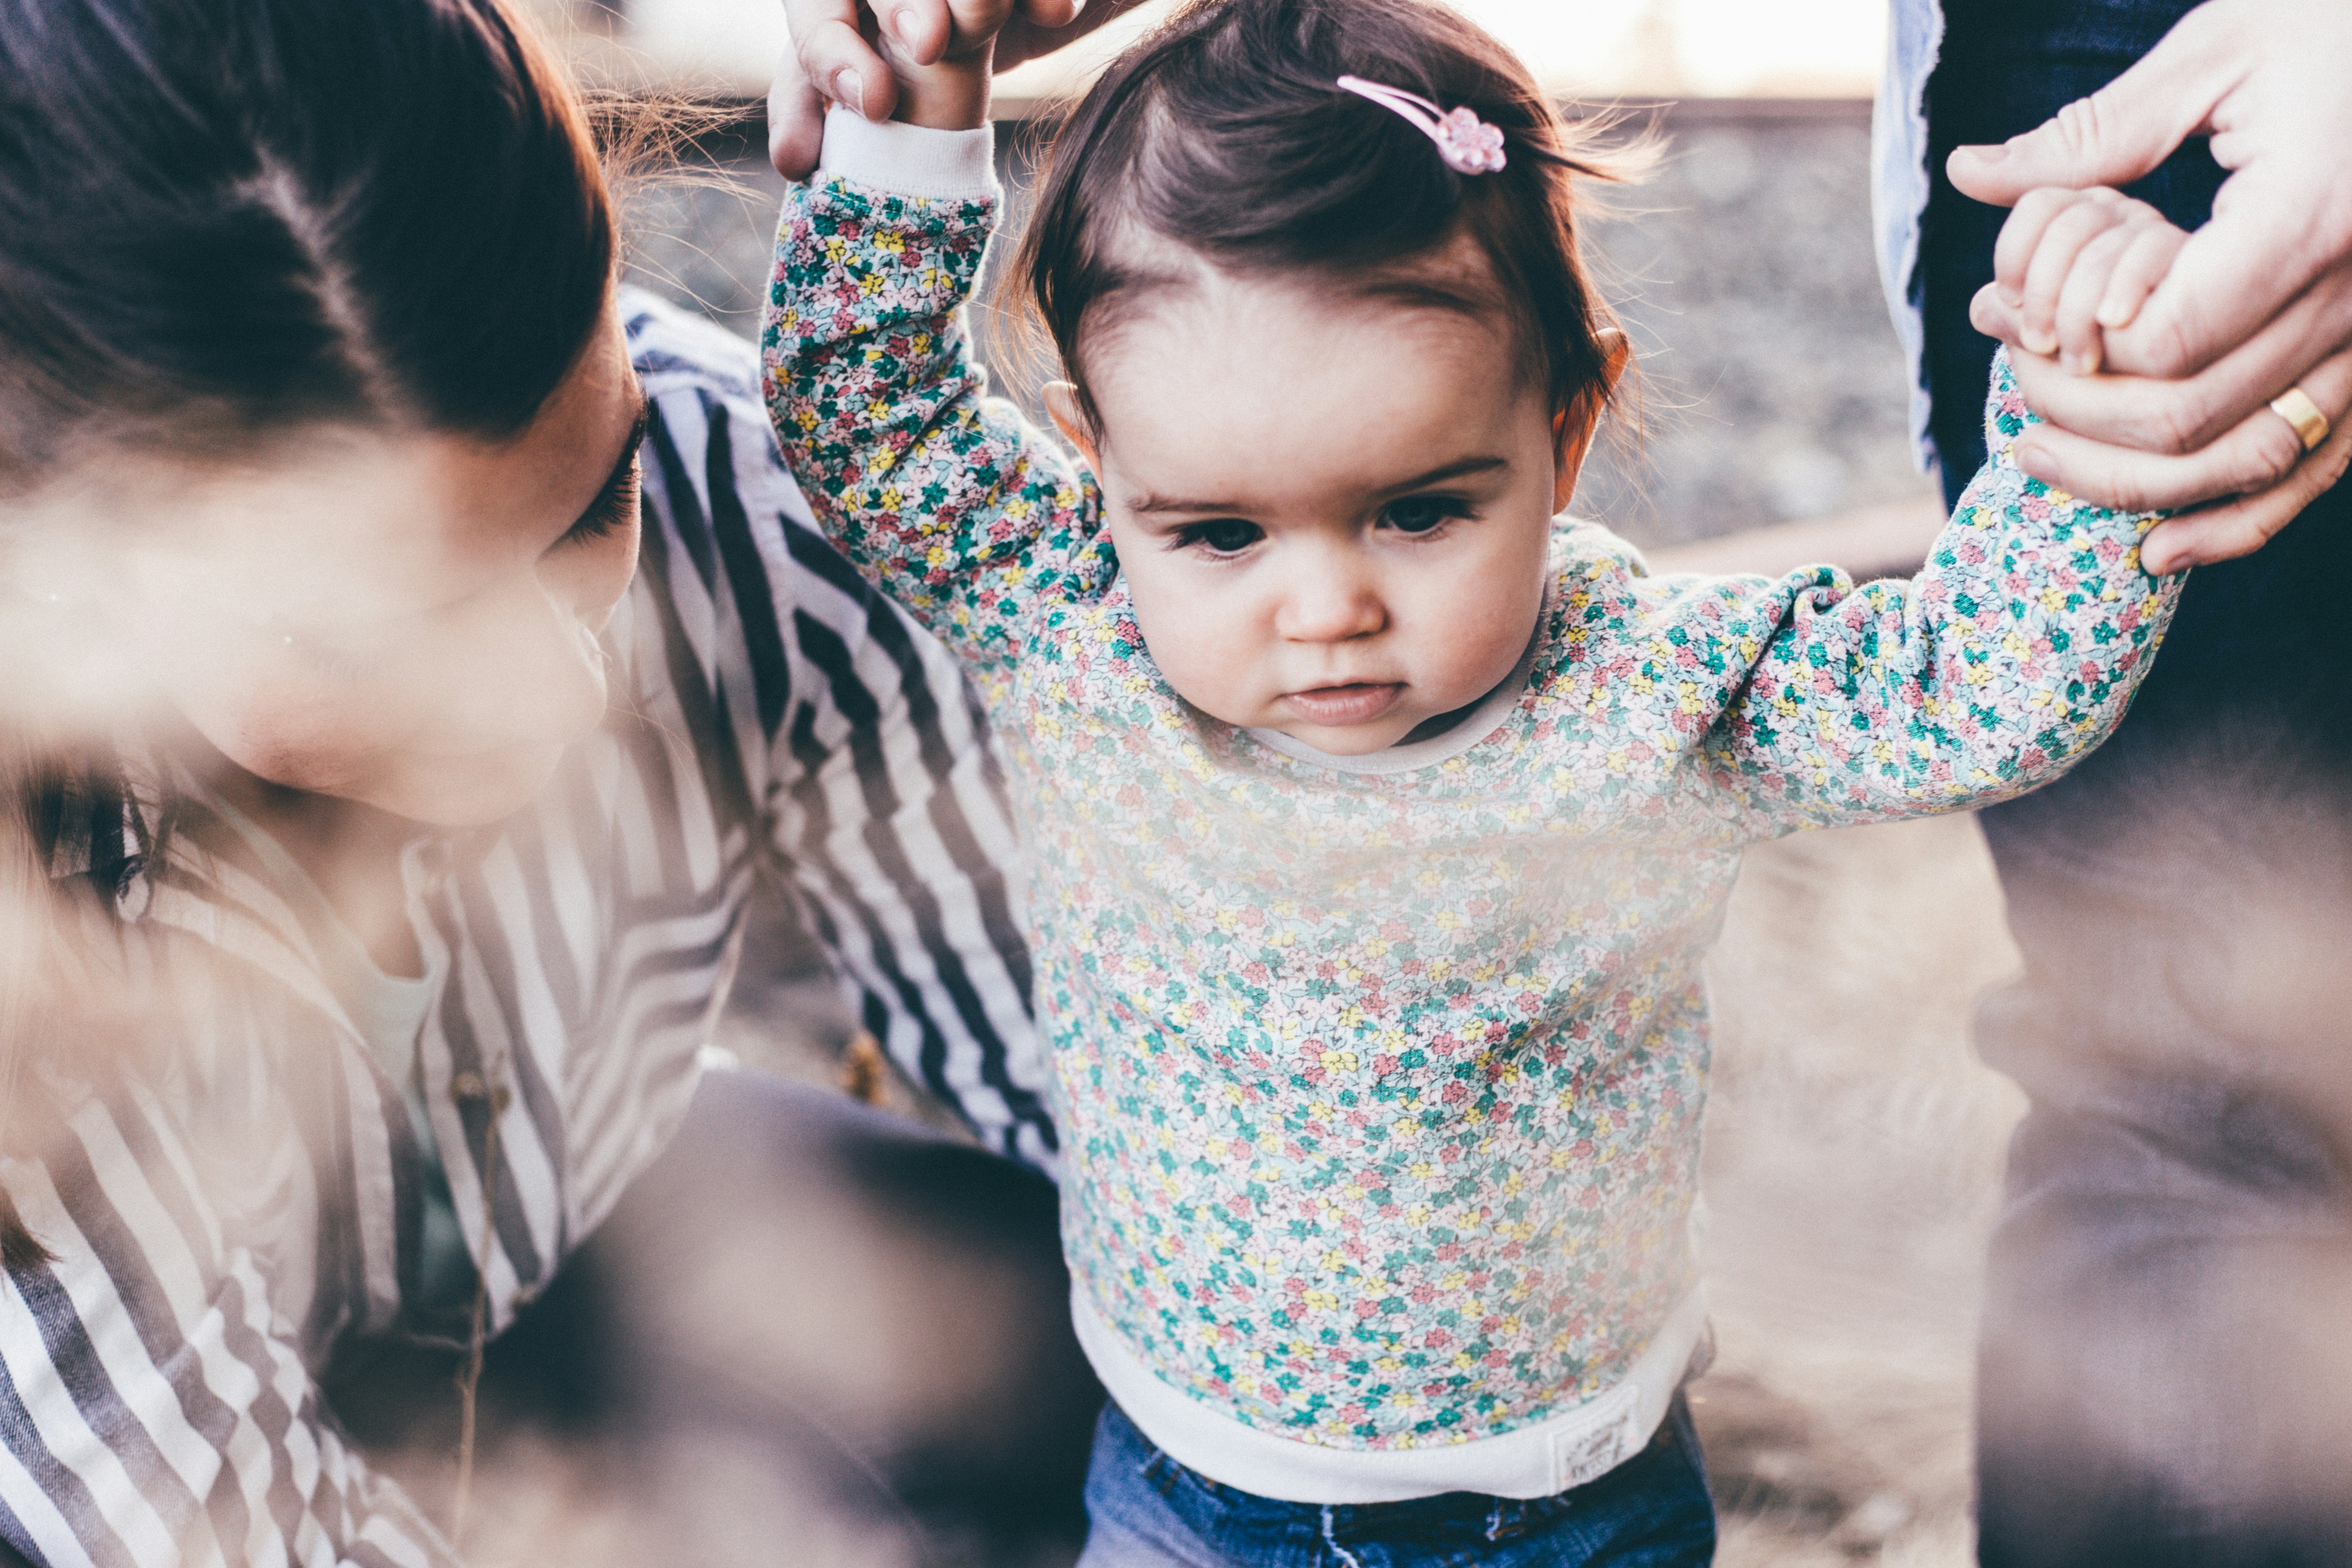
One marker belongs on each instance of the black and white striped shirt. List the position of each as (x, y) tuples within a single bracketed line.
[(246, 1190)]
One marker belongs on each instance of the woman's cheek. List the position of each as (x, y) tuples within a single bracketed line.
[(288, 738), (593, 575)]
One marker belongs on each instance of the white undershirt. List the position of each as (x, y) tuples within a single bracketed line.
[(1579, 1444)]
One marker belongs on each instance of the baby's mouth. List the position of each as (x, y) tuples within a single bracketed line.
[(1357, 703)]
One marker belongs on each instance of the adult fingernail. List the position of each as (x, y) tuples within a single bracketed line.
[(2044, 344), (1991, 155), (2037, 462), (903, 24), (2116, 315), (849, 87)]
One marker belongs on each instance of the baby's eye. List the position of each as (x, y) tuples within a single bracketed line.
[(1224, 535), (1419, 514)]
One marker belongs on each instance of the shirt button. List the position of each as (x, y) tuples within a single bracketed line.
[(469, 1085)]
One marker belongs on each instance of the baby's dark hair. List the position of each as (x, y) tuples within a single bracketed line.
[(1224, 134)]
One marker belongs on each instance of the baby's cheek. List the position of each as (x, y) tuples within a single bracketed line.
[(1204, 655), (1478, 625)]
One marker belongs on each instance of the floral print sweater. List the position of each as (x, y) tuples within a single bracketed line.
[(1379, 1092)]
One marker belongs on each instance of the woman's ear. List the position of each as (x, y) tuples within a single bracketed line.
[(1572, 427), (1070, 419)]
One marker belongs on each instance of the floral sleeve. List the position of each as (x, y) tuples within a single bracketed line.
[(948, 499), (2013, 651)]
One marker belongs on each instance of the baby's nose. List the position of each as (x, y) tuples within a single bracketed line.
[(1331, 607)]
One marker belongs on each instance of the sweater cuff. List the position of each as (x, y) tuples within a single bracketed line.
[(909, 159)]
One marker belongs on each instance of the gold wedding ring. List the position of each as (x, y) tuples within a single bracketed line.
[(2295, 405)]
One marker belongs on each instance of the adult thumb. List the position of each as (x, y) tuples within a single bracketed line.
[(2122, 130)]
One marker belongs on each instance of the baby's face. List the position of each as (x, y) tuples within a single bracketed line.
[(1332, 513)]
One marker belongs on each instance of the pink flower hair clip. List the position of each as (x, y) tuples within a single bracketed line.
[(1467, 144)]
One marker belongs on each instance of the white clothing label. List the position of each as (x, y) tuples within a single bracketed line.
[(1578, 1456)]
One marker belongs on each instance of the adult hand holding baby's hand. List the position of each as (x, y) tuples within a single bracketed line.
[(2257, 301), (839, 47), (2073, 270)]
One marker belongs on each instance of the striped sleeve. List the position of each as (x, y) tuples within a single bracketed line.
[(154, 1405), (859, 746)]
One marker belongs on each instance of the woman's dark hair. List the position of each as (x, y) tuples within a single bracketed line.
[(220, 218), (1224, 134)]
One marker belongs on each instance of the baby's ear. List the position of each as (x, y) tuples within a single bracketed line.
[(1070, 419)]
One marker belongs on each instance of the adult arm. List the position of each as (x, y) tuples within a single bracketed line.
[(2257, 301), (947, 498), (865, 751)]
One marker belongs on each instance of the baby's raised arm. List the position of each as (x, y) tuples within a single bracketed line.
[(949, 498)]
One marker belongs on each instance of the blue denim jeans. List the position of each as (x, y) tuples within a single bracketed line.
[(1146, 1511), (2163, 1381)]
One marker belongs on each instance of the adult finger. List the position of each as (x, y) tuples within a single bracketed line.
[(1053, 14), (2258, 455), (1028, 37), (917, 29), (2242, 526), (795, 120), (836, 60), (2284, 215), (2271, 237), (2079, 293), (2120, 132), (2255, 457)]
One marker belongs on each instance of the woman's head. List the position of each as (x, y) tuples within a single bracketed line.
[(312, 406), (1334, 388)]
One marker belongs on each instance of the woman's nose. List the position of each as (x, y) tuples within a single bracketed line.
[(1331, 603)]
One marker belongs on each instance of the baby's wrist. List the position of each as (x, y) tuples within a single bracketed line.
[(950, 95)]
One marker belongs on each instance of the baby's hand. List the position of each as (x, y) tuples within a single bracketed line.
[(2073, 263), (926, 61), (939, 51)]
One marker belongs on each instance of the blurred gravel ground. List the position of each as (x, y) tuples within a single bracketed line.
[(1853, 1141), (1852, 1163)]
